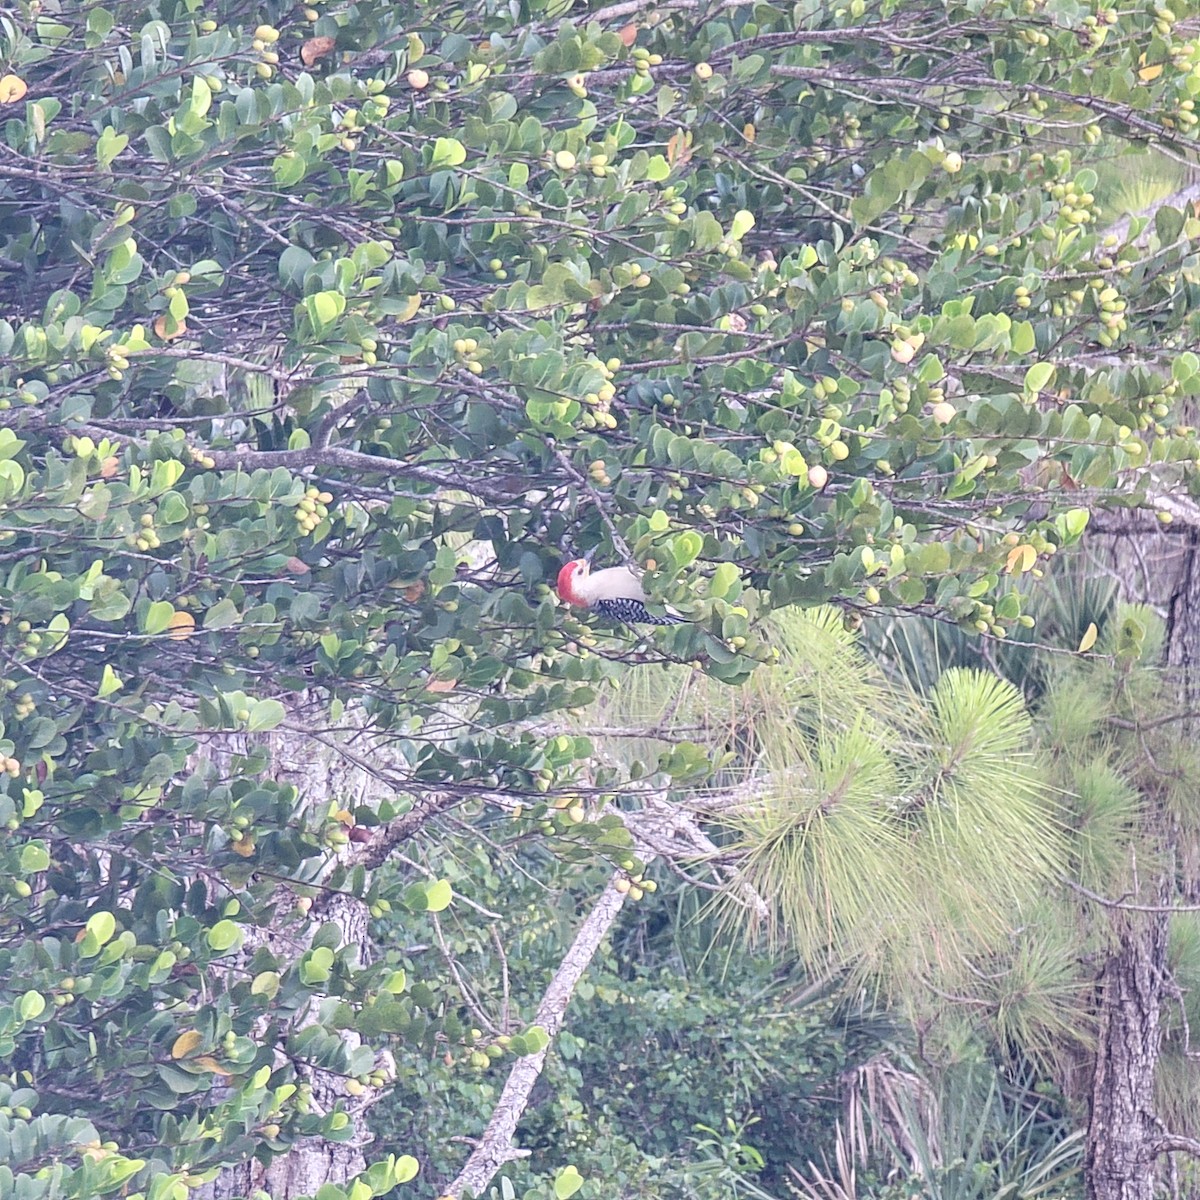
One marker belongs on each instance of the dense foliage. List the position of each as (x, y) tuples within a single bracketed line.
[(328, 331), (674, 1056)]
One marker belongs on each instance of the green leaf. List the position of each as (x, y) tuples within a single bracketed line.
[(109, 145), (1168, 224), (34, 858), (1074, 522), (931, 369), (324, 308), (741, 225), (685, 549), (12, 478), (294, 263), (724, 581), (1185, 366), (266, 714), (224, 936), (266, 983), (10, 444), (100, 22), (657, 169), (448, 152), (101, 926), (536, 1039), (223, 615), (567, 1182), (1023, 339), (172, 509), (157, 616), (1039, 377), (317, 966), (110, 682), (201, 97), (933, 558), (405, 1170), (31, 1006)]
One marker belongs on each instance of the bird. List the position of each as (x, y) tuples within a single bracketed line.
[(613, 592)]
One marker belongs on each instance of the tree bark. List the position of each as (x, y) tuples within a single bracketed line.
[(1160, 567), (318, 772), (1123, 1130)]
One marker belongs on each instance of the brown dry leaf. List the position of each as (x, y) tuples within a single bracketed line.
[(109, 466), (297, 566), (12, 89), (316, 48), (414, 591), (207, 1060), (161, 330), (180, 626), (186, 1042), (441, 685), (628, 35), (679, 148)]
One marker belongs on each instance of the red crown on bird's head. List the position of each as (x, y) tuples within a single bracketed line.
[(566, 577)]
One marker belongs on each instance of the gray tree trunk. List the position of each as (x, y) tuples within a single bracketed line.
[(1123, 1129), (319, 773), (1160, 567)]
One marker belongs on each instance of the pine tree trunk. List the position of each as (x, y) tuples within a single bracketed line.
[(1160, 568), (1123, 1126)]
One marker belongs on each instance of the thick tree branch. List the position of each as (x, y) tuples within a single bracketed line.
[(495, 1147)]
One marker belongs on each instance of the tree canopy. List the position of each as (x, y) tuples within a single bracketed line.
[(329, 331)]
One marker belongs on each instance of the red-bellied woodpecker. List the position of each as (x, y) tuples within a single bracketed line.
[(615, 593)]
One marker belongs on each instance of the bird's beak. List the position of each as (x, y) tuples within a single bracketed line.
[(588, 555)]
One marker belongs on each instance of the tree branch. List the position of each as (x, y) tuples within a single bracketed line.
[(495, 1147), (1171, 1143), (324, 458), (1127, 905)]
